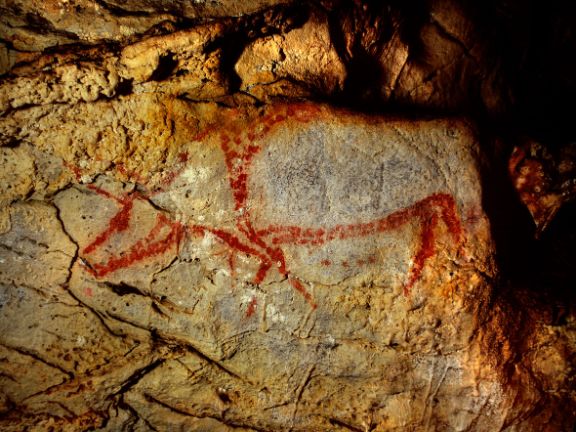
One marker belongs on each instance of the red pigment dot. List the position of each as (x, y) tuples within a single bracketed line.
[(251, 307)]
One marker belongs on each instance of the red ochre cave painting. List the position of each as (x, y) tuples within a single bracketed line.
[(165, 234), (264, 244)]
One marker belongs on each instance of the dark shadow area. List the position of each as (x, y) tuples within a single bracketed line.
[(554, 257), (241, 31), (546, 84), (538, 273), (359, 32), (166, 65)]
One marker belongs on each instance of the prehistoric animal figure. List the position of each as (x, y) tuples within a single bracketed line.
[(265, 244)]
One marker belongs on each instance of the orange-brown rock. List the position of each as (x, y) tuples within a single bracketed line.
[(207, 222)]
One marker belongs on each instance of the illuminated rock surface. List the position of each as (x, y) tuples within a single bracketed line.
[(182, 250)]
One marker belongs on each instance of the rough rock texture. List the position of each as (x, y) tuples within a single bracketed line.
[(187, 243), (322, 267)]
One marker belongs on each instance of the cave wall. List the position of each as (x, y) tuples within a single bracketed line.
[(274, 215)]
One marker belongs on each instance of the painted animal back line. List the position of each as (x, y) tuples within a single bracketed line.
[(264, 243)]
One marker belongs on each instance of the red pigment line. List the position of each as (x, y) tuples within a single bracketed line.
[(118, 223), (262, 271), (237, 162), (237, 175), (286, 232), (297, 235), (145, 248), (300, 112), (161, 222), (229, 155), (239, 189), (250, 152), (238, 178), (251, 307), (104, 193), (266, 263), (233, 241), (301, 236), (235, 244), (275, 254), (428, 211), (196, 229), (300, 288), (232, 265), (449, 215), (426, 251)]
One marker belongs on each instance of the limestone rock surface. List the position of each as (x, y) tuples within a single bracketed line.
[(221, 215), (293, 266)]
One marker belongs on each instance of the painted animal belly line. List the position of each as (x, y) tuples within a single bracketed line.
[(428, 211)]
